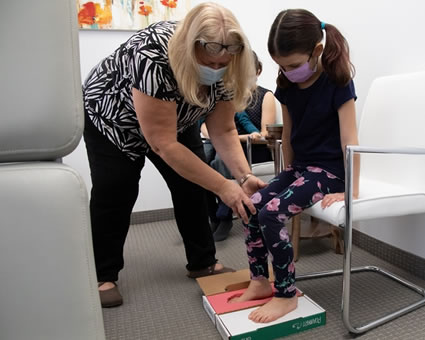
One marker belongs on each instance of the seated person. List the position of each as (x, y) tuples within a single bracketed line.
[(261, 112), (251, 122), (245, 128)]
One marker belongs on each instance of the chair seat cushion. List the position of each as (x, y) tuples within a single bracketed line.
[(264, 171), (383, 200)]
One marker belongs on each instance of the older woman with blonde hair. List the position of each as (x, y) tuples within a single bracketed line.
[(144, 100)]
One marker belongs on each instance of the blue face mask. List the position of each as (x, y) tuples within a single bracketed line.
[(209, 76)]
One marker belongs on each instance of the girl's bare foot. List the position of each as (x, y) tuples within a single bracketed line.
[(257, 289), (274, 309)]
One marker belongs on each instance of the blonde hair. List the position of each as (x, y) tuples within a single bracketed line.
[(211, 22)]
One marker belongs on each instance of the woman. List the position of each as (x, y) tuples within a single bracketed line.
[(144, 100)]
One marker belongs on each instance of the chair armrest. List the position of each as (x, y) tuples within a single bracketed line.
[(349, 157), (383, 150)]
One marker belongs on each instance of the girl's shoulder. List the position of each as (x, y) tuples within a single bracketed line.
[(330, 82), (339, 93)]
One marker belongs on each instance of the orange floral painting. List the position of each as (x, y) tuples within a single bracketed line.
[(128, 14)]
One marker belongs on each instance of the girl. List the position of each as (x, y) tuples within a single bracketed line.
[(317, 94)]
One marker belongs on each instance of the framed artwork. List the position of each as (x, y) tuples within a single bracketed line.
[(128, 14)]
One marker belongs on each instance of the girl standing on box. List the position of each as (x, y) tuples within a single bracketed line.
[(317, 94)]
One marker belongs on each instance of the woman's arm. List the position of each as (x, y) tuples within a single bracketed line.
[(288, 153), (268, 112), (158, 120), (242, 120), (224, 137), (348, 132)]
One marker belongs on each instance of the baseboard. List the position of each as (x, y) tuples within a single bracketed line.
[(397, 257), (148, 216)]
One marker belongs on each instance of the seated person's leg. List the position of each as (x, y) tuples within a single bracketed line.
[(224, 214)]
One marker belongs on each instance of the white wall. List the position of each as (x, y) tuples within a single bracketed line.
[(95, 45), (385, 37)]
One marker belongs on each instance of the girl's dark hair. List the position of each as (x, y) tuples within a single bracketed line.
[(298, 31)]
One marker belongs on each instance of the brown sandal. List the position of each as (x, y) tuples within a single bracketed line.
[(194, 274), (110, 297)]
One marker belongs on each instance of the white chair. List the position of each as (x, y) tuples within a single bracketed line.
[(48, 286), (392, 144)]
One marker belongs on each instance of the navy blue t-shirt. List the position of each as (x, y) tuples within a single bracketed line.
[(315, 134)]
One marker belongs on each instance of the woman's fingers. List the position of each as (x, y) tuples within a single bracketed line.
[(248, 205), (234, 197), (243, 207), (252, 185)]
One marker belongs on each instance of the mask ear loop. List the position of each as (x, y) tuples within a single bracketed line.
[(323, 41)]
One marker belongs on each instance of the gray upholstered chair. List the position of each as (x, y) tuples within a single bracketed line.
[(48, 286), (392, 148)]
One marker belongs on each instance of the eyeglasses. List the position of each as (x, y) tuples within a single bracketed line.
[(215, 48)]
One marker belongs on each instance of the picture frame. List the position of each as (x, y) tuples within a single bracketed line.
[(128, 14)]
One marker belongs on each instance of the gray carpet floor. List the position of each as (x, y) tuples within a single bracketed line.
[(160, 302)]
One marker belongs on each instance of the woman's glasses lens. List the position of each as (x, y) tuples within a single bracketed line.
[(216, 48), (213, 48), (234, 49)]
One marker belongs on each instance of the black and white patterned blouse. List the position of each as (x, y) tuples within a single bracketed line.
[(141, 63)]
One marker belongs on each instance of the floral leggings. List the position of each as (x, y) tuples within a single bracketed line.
[(289, 193)]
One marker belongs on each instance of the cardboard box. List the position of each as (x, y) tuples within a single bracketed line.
[(231, 319)]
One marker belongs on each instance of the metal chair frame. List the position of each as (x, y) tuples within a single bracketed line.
[(347, 269)]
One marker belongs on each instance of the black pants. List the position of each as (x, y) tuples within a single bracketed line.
[(115, 179)]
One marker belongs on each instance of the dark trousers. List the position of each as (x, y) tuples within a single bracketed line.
[(115, 179), (289, 193)]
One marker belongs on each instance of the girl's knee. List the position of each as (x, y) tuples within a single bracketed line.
[(262, 216), (266, 217)]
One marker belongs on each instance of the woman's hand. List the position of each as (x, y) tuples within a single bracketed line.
[(252, 185), (330, 199), (234, 197)]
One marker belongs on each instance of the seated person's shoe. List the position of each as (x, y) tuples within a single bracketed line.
[(214, 225), (194, 274), (110, 297), (223, 230)]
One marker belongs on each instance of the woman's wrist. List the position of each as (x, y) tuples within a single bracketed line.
[(244, 178)]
